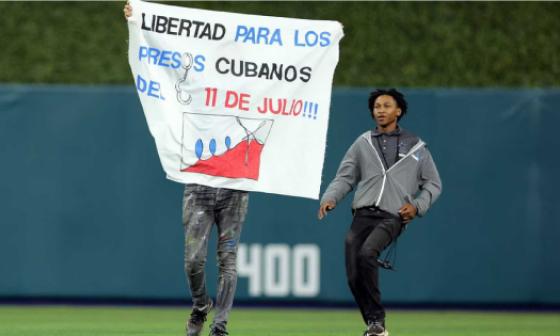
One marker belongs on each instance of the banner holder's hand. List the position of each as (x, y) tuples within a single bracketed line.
[(127, 10), (324, 208)]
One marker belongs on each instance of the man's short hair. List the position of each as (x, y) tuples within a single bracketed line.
[(399, 98)]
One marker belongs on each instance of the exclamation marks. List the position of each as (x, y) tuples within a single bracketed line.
[(310, 110), (315, 111)]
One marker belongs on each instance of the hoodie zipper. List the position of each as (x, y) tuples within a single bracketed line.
[(410, 152), (414, 149), (382, 167)]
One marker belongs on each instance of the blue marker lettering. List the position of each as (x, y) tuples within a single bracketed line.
[(199, 63)]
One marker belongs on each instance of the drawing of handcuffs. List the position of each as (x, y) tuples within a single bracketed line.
[(182, 96)]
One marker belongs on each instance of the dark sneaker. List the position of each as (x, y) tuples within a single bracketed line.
[(197, 319), (218, 332), (376, 328)]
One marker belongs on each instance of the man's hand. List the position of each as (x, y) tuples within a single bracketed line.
[(408, 212), (127, 10), (324, 208)]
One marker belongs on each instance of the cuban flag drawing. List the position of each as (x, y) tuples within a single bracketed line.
[(223, 145)]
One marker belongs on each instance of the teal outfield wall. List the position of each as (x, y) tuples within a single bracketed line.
[(85, 210)]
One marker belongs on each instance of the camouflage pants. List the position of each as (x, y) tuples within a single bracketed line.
[(202, 207)]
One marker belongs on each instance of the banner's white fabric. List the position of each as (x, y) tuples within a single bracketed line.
[(232, 100)]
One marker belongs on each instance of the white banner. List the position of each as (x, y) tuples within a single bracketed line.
[(232, 100)]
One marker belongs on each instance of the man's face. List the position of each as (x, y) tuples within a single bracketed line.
[(385, 110)]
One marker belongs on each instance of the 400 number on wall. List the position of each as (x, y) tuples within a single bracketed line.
[(280, 270)]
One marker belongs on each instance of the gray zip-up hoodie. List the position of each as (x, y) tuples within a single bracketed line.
[(412, 179)]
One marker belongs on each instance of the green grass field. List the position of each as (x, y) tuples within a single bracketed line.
[(78, 321)]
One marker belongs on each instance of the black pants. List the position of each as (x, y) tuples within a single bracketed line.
[(371, 232)]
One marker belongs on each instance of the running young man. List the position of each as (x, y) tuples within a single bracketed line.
[(203, 207), (396, 180)]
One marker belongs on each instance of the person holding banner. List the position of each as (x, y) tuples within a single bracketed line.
[(202, 207), (396, 180)]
